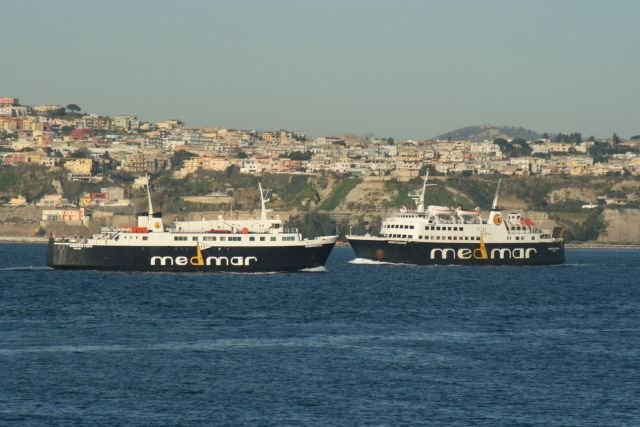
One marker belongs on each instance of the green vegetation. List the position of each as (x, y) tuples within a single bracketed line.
[(601, 151), (178, 158), (31, 181), (588, 228), (516, 148), (339, 193), (439, 194), (313, 224)]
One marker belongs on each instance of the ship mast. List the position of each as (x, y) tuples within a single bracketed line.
[(495, 198), (264, 198), (149, 197), (418, 198)]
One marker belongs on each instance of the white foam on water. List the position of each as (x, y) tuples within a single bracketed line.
[(365, 261), (320, 269), (26, 268)]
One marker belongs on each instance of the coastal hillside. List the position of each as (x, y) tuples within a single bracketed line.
[(348, 201), (489, 132)]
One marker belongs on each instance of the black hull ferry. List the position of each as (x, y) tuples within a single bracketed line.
[(440, 235), (242, 246)]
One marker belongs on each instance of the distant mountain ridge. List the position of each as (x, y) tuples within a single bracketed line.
[(489, 132)]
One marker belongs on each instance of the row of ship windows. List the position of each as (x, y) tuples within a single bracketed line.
[(428, 227), (408, 236), (233, 238), (405, 236)]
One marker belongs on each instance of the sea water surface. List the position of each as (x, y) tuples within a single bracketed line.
[(356, 345)]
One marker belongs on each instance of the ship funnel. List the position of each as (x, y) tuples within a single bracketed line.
[(154, 221)]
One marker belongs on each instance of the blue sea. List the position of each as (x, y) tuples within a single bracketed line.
[(355, 345)]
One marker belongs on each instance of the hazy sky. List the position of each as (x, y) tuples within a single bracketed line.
[(408, 69)]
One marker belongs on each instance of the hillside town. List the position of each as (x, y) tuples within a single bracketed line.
[(49, 135), (90, 148)]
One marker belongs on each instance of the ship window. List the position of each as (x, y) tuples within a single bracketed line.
[(461, 228), (195, 238), (145, 238), (179, 237), (252, 239), (223, 238), (273, 239), (448, 228), (533, 237), (411, 227), (449, 238), (209, 238), (437, 228)]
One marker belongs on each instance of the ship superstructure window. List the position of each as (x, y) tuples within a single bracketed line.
[(180, 238), (223, 238), (145, 237), (262, 238), (273, 238), (252, 239), (194, 238), (235, 238), (288, 238), (209, 238)]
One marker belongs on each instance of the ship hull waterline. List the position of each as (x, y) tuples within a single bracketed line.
[(433, 253), (188, 258)]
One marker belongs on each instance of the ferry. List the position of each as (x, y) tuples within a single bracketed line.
[(442, 235), (223, 245)]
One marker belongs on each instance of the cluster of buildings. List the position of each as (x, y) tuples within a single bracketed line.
[(90, 146)]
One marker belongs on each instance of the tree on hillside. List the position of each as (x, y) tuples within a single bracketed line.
[(615, 139), (299, 155), (179, 157), (73, 108)]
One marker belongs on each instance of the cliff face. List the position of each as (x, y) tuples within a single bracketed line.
[(622, 226)]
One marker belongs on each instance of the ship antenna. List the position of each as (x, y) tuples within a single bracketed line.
[(263, 200), (495, 198), (418, 197), (424, 190), (149, 197)]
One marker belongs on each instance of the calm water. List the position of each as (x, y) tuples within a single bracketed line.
[(357, 345)]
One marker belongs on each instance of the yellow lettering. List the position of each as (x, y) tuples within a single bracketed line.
[(197, 260)]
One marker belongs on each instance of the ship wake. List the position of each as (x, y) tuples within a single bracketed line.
[(320, 269), (26, 268)]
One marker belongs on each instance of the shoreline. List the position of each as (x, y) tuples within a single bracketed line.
[(585, 245), (23, 239)]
